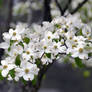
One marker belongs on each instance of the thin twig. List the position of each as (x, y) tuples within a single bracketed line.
[(60, 8), (78, 7), (67, 6)]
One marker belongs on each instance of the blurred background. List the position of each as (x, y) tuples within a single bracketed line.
[(60, 77)]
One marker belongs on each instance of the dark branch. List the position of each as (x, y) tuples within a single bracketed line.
[(9, 16), (78, 7), (60, 8), (67, 6), (47, 11), (34, 88), (40, 76)]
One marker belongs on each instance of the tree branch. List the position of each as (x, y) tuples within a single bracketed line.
[(60, 8), (47, 11), (9, 16), (78, 7), (67, 5), (34, 88)]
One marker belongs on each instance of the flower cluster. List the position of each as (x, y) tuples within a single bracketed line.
[(28, 48)]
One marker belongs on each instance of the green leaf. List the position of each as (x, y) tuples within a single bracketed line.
[(79, 62), (24, 81), (21, 44), (55, 40), (18, 61), (69, 54), (12, 73), (57, 25), (26, 40), (38, 62), (34, 81), (9, 49), (11, 42), (79, 32), (89, 54), (48, 55), (1, 77)]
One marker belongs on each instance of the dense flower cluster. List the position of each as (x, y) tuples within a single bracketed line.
[(26, 47)]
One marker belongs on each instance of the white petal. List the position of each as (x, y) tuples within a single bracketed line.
[(4, 73), (4, 62), (16, 78), (4, 45), (26, 77), (31, 76)]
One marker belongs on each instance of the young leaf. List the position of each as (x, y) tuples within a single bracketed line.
[(38, 62), (48, 55), (57, 25), (55, 40), (26, 40), (11, 42), (79, 62), (25, 82), (12, 73), (18, 61), (21, 44), (34, 81), (9, 49), (1, 77)]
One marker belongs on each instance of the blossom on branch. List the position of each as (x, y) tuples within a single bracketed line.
[(28, 49)]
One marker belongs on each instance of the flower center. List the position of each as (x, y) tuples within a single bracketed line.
[(55, 46), (26, 71), (70, 38), (5, 66), (45, 47), (49, 37), (75, 41), (80, 50), (73, 45), (28, 52), (14, 33)]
